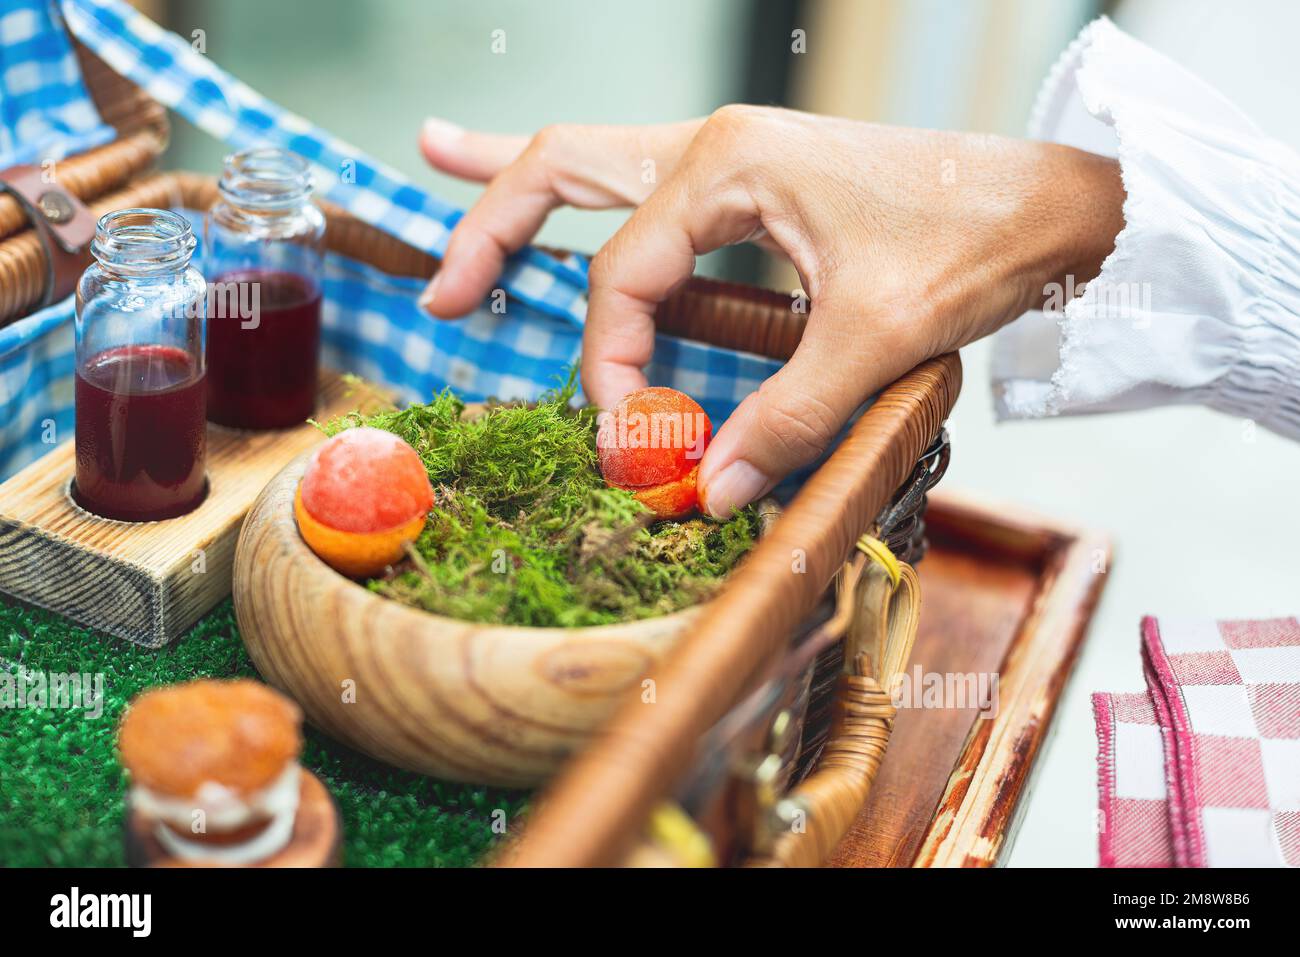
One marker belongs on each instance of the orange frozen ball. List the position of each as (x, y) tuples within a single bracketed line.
[(674, 499), (363, 497), (650, 444), (652, 436)]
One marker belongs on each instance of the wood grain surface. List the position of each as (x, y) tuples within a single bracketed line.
[(492, 704), (1004, 592), (143, 581)]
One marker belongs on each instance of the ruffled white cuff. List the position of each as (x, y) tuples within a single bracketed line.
[(1200, 300)]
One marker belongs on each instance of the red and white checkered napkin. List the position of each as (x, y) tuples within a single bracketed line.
[(1203, 770)]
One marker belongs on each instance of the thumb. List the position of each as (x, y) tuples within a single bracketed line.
[(791, 420)]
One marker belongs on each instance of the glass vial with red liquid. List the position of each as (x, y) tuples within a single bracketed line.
[(141, 434), (263, 249)]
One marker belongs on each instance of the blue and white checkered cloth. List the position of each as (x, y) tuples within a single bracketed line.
[(45, 113), (371, 322)]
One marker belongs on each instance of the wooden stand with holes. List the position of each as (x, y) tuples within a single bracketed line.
[(146, 582), (316, 840)]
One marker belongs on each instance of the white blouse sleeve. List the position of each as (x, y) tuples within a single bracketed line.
[(1200, 300)]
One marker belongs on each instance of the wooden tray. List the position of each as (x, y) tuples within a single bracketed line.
[(1004, 592), (146, 582)]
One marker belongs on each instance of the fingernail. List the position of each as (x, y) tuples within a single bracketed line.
[(441, 129), (734, 487), (430, 291)]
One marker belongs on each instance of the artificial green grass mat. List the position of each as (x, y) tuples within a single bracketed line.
[(62, 790)]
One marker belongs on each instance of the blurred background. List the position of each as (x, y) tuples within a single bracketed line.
[(1201, 508)]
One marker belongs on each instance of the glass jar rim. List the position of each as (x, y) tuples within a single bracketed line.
[(265, 178), (143, 237)]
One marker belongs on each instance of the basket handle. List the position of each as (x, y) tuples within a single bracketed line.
[(818, 812)]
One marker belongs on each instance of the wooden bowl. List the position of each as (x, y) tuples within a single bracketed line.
[(492, 704)]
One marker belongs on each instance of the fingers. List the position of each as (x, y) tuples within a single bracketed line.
[(641, 265), (465, 153), (506, 217), (592, 167), (796, 414)]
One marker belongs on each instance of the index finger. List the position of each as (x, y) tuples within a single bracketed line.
[(468, 154), (641, 266)]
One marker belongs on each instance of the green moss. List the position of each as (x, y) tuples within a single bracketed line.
[(525, 532), (513, 455), (62, 790)]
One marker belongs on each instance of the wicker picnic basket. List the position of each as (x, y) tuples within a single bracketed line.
[(825, 630)]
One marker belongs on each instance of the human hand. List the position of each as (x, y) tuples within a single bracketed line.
[(909, 244)]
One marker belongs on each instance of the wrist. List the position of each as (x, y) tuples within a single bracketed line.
[(1046, 217), (1080, 206)]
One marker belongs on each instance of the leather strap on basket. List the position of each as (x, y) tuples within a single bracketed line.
[(819, 811), (63, 223)]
